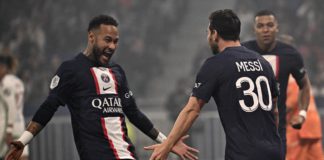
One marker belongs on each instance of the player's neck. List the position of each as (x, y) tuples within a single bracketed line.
[(224, 44), (267, 47), (87, 52)]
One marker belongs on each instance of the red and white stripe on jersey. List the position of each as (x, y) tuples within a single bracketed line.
[(112, 128), (274, 61), (105, 80)]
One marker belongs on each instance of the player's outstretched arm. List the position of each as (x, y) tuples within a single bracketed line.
[(303, 102), (145, 125), (40, 119), (17, 147), (184, 121)]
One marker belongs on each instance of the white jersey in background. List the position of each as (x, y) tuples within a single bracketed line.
[(13, 84), (3, 125), (12, 89)]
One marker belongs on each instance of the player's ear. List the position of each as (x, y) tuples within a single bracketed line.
[(214, 34), (91, 37), (254, 28), (277, 26), (277, 29)]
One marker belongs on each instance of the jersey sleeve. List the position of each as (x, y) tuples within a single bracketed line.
[(60, 91), (206, 81), (298, 71), (135, 116), (62, 83), (292, 94)]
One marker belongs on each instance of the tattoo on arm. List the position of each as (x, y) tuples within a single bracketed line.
[(34, 127)]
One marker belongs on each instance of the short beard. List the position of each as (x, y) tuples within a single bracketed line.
[(215, 49), (97, 53)]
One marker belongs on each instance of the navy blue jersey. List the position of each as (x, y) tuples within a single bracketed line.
[(285, 60), (243, 85), (98, 99)]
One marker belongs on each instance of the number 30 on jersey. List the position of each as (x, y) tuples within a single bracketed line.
[(256, 97)]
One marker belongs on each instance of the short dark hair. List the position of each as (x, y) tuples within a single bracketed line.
[(101, 19), (265, 13), (226, 23)]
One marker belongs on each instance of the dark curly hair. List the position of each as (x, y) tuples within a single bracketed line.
[(101, 19)]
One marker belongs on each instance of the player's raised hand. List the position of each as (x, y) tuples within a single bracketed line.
[(161, 151), (183, 150), (297, 121), (15, 151)]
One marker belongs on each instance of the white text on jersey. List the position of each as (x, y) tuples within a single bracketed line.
[(248, 66)]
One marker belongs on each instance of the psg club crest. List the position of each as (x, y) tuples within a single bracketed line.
[(105, 78)]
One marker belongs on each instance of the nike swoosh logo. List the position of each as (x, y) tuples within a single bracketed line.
[(105, 88)]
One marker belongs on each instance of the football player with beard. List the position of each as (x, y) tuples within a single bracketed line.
[(97, 95), (244, 88)]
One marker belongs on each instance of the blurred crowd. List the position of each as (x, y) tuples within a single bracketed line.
[(41, 34)]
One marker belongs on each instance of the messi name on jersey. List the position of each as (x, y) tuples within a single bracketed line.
[(108, 104), (248, 66)]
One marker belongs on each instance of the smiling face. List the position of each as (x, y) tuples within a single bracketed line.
[(104, 41), (266, 28)]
